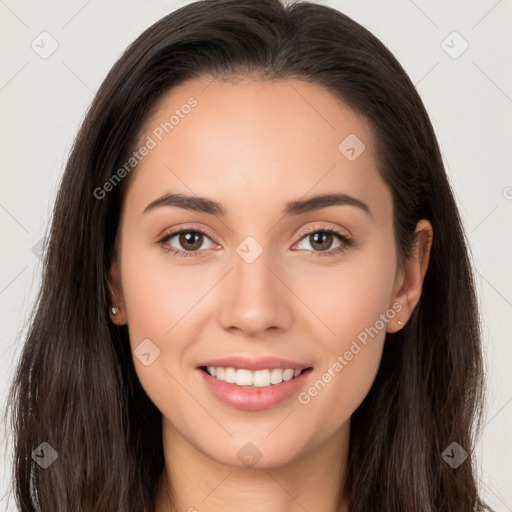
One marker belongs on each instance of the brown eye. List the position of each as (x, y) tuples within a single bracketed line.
[(321, 240), (186, 242), (190, 240)]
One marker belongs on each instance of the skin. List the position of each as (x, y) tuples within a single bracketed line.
[(253, 146)]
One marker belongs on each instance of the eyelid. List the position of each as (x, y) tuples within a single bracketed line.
[(168, 232), (320, 227)]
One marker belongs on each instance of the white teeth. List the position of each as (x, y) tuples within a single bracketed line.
[(276, 376), (230, 375), (259, 378), (288, 374), (243, 377)]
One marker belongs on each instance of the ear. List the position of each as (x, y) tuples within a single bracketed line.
[(409, 280), (116, 296)]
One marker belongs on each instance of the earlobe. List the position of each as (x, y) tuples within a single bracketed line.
[(413, 275), (117, 309)]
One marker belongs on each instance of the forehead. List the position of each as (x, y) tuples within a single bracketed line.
[(251, 143)]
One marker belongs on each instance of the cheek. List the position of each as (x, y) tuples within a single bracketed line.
[(158, 294), (160, 300), (349, 298), (355, 305)]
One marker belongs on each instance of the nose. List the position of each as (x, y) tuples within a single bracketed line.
[(254, 298)]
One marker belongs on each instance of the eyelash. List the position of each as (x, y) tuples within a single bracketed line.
[(346, 242)]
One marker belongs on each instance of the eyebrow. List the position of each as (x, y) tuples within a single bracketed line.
[(205, 205)]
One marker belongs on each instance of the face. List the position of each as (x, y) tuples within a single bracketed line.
[(265, 278)]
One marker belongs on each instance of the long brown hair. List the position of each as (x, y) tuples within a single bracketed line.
[(76, 387)]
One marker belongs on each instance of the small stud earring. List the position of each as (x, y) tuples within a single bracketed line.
[(114, 311), (399, 323)]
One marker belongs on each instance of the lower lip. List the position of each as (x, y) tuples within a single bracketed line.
[(251, 398)]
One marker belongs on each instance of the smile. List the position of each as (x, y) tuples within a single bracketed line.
[(253, 390), (258, 378)]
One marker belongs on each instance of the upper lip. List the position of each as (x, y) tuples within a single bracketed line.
[(253, 364)]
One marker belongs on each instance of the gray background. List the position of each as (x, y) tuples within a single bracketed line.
[(468, 95)]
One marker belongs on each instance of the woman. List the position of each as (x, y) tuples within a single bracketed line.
[(257, 292)]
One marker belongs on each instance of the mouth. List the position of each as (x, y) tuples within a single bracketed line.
[(253, 390), (255, 379)]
